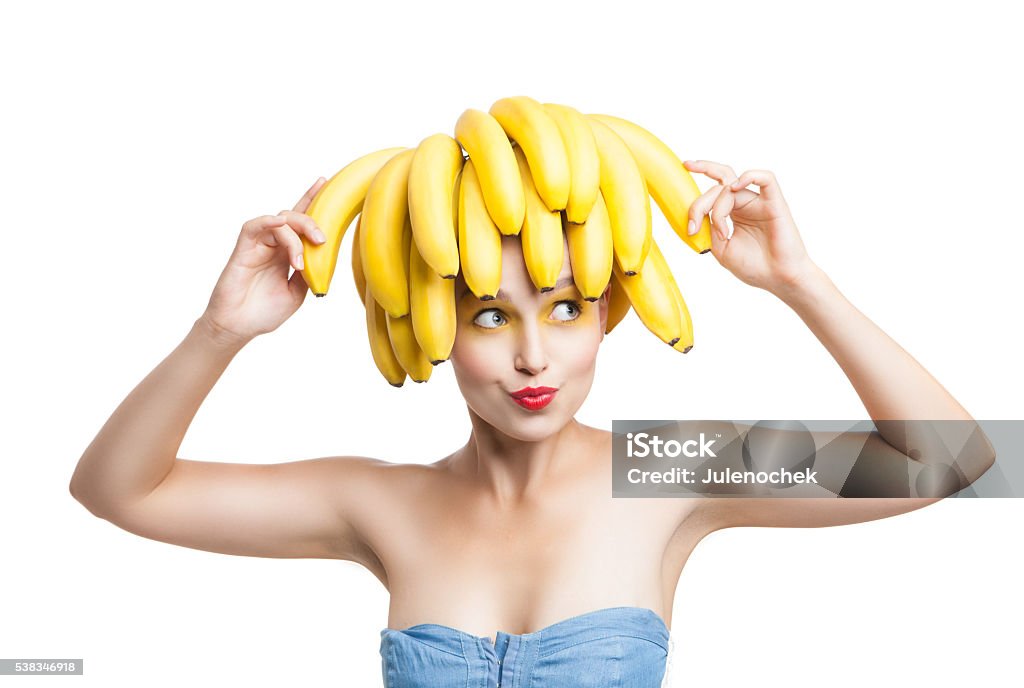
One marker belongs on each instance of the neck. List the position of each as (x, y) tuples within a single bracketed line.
[(512, 469)]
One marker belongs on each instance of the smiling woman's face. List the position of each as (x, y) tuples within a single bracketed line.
[(524, 338)]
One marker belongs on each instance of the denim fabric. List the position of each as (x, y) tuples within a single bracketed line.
[(616, 647)]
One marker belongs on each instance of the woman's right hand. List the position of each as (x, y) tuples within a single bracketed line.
[(254, 294)]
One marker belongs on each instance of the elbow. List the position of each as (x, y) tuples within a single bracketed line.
[(74, 490), (80, 495), (977, 458), (972, 461), (76, 494), (983, 466), (942, 479)]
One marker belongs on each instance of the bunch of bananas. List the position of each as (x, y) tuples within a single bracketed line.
[(539, 171)]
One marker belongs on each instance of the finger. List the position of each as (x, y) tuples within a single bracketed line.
[(285, 236), (765, 181), (720, 210), (307, 198), (297, 285), (720, 172), (702, 206), (256, 226), (304, 225)]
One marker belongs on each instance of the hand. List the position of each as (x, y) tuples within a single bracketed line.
[(254, 294), (764, 249)]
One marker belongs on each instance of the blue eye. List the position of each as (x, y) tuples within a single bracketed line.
[(489, 322), (574, 309)]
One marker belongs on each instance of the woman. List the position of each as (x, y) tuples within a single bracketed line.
[(516, 530)]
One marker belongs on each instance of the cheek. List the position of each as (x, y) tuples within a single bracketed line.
[(474, 355), (576, 347)]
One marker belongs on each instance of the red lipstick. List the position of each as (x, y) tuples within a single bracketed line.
[(533, 398)]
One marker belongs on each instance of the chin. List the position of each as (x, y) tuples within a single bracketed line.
[(534, 429), (523, 425)]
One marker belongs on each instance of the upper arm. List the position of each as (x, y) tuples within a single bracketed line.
[(300, 509), (806, 512), (853, 464)]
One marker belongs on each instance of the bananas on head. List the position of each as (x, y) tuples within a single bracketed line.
[(542, 171)]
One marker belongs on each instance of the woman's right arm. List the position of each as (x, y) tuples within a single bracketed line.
[(137, 447), (130, 473)]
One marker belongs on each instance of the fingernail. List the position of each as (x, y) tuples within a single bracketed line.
[(318, 235), (298, 261), (728, 223), (691, 228)]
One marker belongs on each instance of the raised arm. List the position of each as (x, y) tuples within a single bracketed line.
[(131, 475), (763, 249)]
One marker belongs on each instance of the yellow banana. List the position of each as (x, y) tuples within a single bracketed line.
[(590, 251), (407, 349), (380, 343), (669, 182), (432, 308), (685, 342), (528, 124), (479, 238), (584, 161), (488, 146), (435, 166), (357, 265), (333, 209), (541, 237), (625, 194), (651, 296), (618, 304), (380, 241)]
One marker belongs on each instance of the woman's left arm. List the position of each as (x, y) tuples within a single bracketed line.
[(754, 237)]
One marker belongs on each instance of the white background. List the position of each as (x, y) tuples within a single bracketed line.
[(136, 141)]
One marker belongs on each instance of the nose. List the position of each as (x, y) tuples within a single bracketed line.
[(531, 358)]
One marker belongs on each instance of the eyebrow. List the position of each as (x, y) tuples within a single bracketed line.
[(502, 295)]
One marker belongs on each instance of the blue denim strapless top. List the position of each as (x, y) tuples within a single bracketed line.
[(617, 647)]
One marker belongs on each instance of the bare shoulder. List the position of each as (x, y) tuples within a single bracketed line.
[(312, 508), (672, 513), (709, 514)]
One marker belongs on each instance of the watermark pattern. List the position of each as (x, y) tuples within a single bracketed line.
[(817, 458)]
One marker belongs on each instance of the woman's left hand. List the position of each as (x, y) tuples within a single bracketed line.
[(764, 249)]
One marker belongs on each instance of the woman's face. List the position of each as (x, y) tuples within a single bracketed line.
[(524, 338)]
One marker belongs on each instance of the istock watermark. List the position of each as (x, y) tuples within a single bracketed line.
[(817, 458), (641, 445)]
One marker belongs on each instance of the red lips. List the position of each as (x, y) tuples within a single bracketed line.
[(534, 398), (532, 392)]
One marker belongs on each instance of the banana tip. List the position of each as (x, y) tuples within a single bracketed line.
[(591, 298), (319, 295), (544, 290), (630, 273), (438, 361), (487, 297), (687, 349), (448, 276), (705, 251), (397, 384), (674, 342)]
